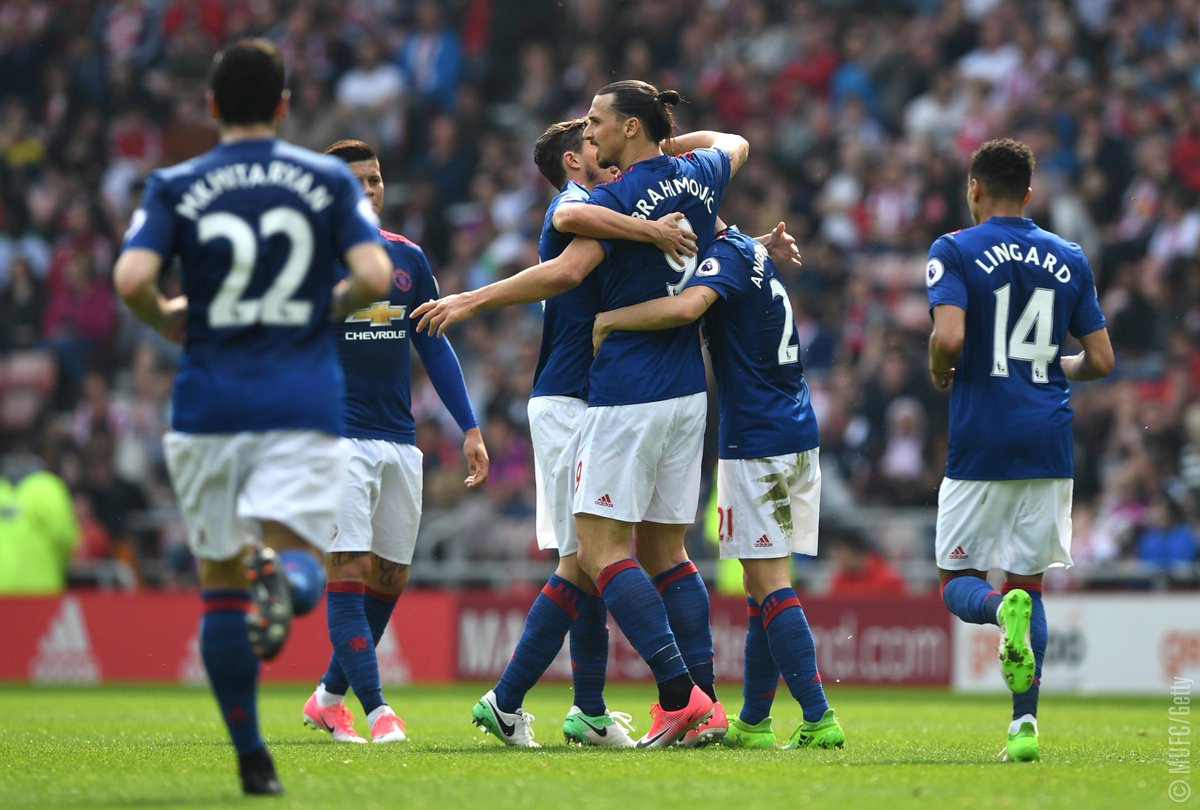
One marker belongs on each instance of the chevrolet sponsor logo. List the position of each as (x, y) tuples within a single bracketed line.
[(381, 313)]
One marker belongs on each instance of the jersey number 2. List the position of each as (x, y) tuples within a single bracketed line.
[(1037, 318), (276, 307)]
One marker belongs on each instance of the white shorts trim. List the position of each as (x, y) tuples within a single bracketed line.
[(642, 462), (228, 484), (769, 507), (1022, 527), (554, 423), (381, 500)]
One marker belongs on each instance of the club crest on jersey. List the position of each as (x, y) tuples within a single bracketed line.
[(401, 279), (381, 313), (709, 267), (933, 272)]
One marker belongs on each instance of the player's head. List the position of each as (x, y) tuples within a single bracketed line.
[(626, 114), (246, 84), (1001, 172), (562, 154), (363, 164)]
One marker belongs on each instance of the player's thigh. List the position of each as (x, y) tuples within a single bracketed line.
[(397, 516), (296, 480), (207, 473), (676, 491), (769, 507), (554, 424), (619, 450)]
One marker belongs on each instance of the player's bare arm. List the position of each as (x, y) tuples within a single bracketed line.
[(945, 343), (136, 280), (477, 458), (598, 222), (532, 284), (735, 146), (781, 247), (660, 313), (370, 275), (1095, 361)]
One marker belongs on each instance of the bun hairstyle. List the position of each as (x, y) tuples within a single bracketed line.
[(637, 99)]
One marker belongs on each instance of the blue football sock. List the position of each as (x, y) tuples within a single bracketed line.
[(378, 606), (552, 614), (761, 674), (231, 665), (794, 650), (971, 599), (353, 645), (589, 655), (686, 600), (637, 609), (1039, 636)]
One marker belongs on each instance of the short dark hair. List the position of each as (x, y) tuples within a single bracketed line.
[(1004, 166), (565, 136), (351, 150), (641, 100), (247, 81)]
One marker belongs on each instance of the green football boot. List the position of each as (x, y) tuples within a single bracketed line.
[(1016, 655), (1023, 746), (743, 735), (825, 733)]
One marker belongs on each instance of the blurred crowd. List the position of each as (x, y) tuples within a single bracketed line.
[(860, 115)]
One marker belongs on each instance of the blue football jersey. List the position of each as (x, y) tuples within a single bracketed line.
[(257, 226), (1023, 290), (566, 351), (763, 396), (373, 344), (635, 367)]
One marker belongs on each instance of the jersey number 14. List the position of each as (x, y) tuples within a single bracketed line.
[(1037, 318)]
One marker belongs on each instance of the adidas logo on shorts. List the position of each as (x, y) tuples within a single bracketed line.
[(959, 553), (763, 542), (604, 500)]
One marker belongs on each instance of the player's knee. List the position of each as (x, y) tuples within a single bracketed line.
[(387, 576)]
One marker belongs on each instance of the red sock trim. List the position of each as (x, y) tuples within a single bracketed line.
[(566, 600), (684, 569), (610, 571), (753, 611), (1012, 586), (774, 607), (381, 596), (346, 587), (227, 603)]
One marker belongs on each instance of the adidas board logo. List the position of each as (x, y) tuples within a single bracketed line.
[(604, 500), (763, 542), (959, 553), (65, 652)]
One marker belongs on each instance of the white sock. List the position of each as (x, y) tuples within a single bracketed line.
[(1015, 726), (374, 716), (326, 699)]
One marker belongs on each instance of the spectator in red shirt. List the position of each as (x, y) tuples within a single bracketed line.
[(860, 571)]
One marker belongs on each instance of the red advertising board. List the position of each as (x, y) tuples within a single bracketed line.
[(94, 637), (438, 636)]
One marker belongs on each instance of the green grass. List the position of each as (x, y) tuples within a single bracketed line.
[(165, 747)]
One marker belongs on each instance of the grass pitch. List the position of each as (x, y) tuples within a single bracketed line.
[(142, 746)]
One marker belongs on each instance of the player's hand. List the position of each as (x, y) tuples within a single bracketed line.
[(942, 381), (438, 315), (672, 240), (601, 328), (477, 458), (175, 319), (781, 246)]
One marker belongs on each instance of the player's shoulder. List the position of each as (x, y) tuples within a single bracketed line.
[(303, 156), (732, 242), (401, 248)]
